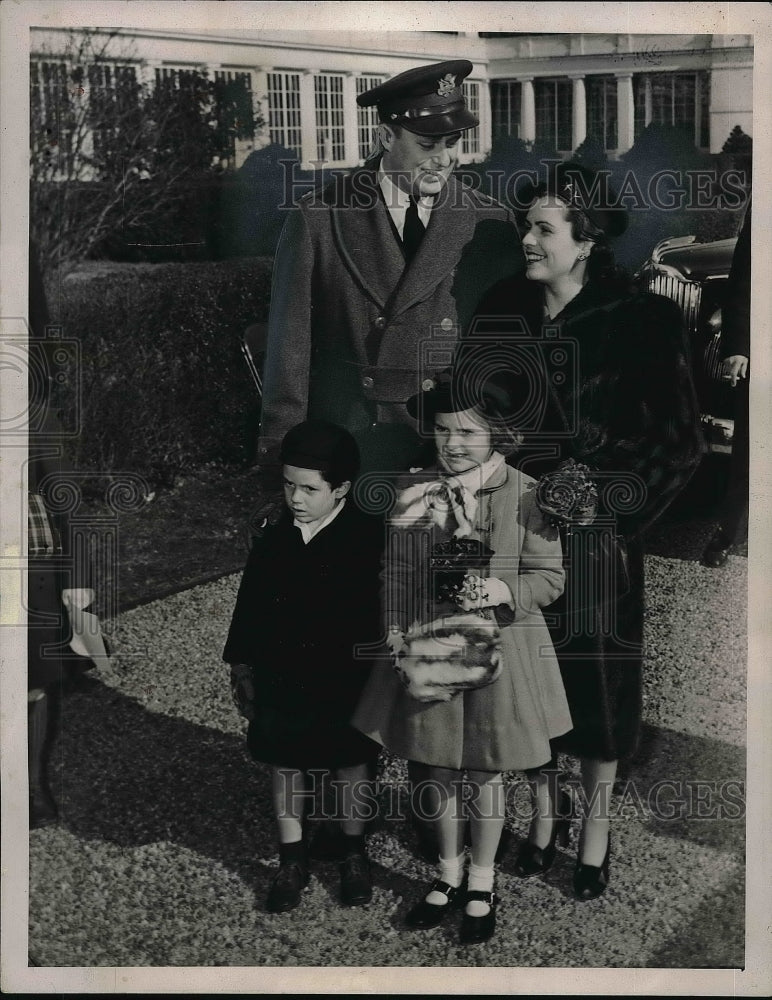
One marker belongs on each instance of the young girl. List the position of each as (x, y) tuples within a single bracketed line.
[(309, 596), (482, 731)]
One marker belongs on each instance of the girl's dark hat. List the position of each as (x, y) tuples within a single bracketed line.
[(427, 100), (321, 445), (499, 398), (579, 187)]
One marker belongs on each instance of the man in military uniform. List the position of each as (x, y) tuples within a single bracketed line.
[(372, 268)]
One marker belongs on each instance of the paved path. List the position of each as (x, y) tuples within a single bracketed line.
[(166, 849)]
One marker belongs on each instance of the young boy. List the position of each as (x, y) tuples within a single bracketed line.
[(309, 596)]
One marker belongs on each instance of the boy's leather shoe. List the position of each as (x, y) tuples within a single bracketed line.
[(356, 886), (286, 889)]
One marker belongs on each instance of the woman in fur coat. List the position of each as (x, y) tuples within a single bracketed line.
[(613, 393)]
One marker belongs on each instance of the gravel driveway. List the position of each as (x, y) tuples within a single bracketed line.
[(166, 847)]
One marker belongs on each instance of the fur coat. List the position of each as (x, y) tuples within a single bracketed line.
[(614, 379)]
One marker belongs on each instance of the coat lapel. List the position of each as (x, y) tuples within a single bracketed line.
[(450, 227), (365, 236)]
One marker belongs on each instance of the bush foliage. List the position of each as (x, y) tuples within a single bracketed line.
[(164, 386)]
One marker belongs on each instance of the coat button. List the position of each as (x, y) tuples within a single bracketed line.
[(447, 323), (368, 382), (380, 323)]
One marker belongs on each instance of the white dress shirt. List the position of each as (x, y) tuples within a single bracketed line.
[(397, 201)]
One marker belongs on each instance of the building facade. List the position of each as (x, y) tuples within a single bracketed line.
[(555, 90)]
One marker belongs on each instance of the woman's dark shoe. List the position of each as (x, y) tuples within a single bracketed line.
[(591, 881), (287, 886), (356, 887), (477, 929), (533, 860), (426, 915)]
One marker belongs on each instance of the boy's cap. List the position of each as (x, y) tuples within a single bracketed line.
[(427, 100), (321, 445)]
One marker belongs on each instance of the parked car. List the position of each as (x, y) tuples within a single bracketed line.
[(694, 275)]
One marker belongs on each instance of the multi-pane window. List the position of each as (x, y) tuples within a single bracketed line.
[(505, 104), (672, 99), (470, 139), (703, 89), (77, 111), (52, 110), (601, 96), (113, 102), (367, 118), (284, 110), (552, 100), (328, 101)]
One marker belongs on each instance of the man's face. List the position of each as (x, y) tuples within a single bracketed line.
[(420, 164)]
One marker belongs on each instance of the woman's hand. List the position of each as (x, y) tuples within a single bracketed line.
[(483, 592)]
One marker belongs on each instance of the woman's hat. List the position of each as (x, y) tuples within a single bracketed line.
[(321, 445), (579, 187)]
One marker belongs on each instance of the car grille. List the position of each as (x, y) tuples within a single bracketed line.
[(686, 293)]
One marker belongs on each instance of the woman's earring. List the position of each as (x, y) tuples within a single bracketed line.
[(583, 256)]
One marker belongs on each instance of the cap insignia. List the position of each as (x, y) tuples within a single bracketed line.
[(446, 85)]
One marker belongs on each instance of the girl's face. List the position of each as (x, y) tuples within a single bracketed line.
[(551, 252), (308, 494), (463, 440)]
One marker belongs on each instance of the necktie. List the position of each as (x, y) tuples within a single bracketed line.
[(414, 230)]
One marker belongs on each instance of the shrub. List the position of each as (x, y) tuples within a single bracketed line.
[(164, 385), (591, 153)]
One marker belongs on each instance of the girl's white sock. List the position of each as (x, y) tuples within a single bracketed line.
[(452, 872), (480, 880)]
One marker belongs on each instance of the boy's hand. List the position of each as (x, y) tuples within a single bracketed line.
[(243, 689)]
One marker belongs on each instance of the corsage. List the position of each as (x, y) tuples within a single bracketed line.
[(567, 495)]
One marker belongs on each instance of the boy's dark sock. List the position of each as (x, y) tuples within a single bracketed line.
[(353, 843), (295, 853)]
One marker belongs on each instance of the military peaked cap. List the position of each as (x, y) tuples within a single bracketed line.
[(427, 100)]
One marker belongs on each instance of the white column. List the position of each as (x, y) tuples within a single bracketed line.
[(485, 115), (307, 118), (146, 73), (579, 115), (260, 103), (351, 145), (527, 110), (625, 112)]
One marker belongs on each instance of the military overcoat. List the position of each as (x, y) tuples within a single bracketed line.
[(353, 331)]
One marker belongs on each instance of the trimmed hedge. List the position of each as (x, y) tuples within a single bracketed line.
[(164, 384)]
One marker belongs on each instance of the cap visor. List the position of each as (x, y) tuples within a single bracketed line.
[(457, 121)]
